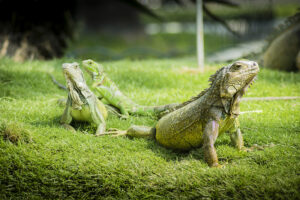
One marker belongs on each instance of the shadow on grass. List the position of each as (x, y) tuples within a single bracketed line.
[(49, 123), (174, 155), (83, 127), (169, 155), (166, 154)]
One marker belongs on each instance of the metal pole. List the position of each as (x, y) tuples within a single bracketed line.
[(199, 32)]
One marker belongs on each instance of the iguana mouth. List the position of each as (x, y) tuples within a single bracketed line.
[(248, 85)]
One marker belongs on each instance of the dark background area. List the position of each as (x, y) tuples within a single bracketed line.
[(109, 30)]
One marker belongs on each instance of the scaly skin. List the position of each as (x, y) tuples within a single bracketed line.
[(107, 89), (109, 92), (82, 104), (201, 120)]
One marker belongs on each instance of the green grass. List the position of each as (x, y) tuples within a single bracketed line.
[(58, 164)]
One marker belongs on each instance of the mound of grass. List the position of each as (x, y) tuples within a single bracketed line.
[(64, 165), (14, 133)]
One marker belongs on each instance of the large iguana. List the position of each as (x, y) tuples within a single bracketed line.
[(283, 49), (108, 90), (82, 104), (199, 121)]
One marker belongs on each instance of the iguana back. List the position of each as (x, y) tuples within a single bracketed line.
[(107, 89)]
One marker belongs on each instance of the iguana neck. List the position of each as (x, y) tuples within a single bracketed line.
[(227, 106), (212, 96), (99, 79)]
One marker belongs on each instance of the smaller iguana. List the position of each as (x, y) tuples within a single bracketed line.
[(108, 90), (82, 104), (199, 121)]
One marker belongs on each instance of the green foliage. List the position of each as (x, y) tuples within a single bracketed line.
[(252, 11), (64, 165), (162, 45)]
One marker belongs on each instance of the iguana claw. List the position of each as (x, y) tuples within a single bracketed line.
[(69, 127), (124, 117), (257, 147), (115, 132)]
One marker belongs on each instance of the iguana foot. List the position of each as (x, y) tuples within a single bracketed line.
[(100, 134), (124, 117), (115, 132), (217, 165), (61, 102), (69, 127), (254, 147), (269, 145), (257, 147)]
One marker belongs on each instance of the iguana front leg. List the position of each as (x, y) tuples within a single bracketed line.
[(97, 117), (210, 134), (237, 141), (236, 136), (134, 131), (62, 102), (66, 118)]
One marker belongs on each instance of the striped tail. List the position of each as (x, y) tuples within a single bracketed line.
[(152, 110)]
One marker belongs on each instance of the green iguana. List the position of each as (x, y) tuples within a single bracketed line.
[(82, 104), (199, 121), (108, 90), (283, 49)]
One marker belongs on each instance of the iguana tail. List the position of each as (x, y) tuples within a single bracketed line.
[(154, 110), (61, 86)]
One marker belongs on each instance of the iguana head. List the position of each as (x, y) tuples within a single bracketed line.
[(238, 77), (234, 80), (93, 68), (76, 84)]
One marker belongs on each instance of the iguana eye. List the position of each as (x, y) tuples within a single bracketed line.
[(238, 66)]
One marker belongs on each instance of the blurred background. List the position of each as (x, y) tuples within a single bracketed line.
[(142, 29)]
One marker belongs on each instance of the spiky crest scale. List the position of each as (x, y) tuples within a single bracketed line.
[(212, 81)]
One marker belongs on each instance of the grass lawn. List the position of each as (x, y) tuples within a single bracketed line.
[(49, 162)]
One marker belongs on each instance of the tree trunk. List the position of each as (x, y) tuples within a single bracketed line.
[(35, 28)]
